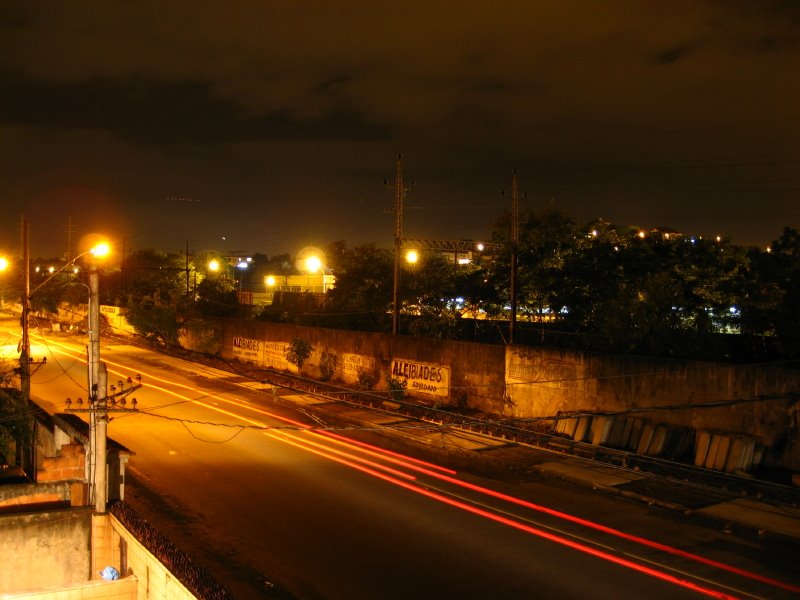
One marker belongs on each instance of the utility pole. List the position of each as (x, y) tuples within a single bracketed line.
[(399, 193), (25, 346), (187, 268), (68, 255), (98, 400), (100, 417), (93, 372), (399, 196), (512, 321)]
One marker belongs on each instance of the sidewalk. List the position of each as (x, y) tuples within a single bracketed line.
[(740, 514)]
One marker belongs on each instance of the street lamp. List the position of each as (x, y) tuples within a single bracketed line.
[(97, 376), (4, 264), (242, 266), (313, 264)]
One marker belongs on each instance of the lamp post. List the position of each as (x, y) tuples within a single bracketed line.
[(96, 375), (3, 268), (96, 372), (98, 378), (242, 266)]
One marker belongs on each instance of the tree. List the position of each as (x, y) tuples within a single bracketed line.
[(545, 239), (154, 294), (773, 303), (298, 351), (16, 423), (216, 297), (362, 294)]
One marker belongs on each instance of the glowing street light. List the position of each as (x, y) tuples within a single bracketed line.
[(313, 263), (412, 257), (4, 265), (100, 250)]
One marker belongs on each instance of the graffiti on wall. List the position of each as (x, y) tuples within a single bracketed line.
[(261, 353), (275, 355), (353, 365), (550, 373), (423, 378), (247, 349)]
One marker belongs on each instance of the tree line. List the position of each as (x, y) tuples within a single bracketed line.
[(593, 286)]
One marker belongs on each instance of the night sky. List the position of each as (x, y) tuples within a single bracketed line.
[(268, 126)]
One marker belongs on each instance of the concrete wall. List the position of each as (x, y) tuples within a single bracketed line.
[(544, 382), (113, 544), (67, 493), (45, 549), (524, 383), (58, 555), (442, 372), (121, 589)]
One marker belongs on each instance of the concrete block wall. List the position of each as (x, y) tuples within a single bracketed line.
[(726, 452), (69, 463), (718, 451)]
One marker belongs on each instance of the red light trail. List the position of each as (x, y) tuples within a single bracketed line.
[(348, 458)]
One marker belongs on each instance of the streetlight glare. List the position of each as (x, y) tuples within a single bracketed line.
[(313, 264), (270, 280), (100, 250), (213, 265), (3, 263), (412, 256)]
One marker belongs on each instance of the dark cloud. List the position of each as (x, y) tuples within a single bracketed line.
[(166, 113), (651, 114)]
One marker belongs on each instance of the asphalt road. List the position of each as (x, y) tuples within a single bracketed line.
[(274, 509)]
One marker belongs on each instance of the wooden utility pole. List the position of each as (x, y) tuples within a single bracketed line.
[(25, 345), (512, 321), (68, 255), (399, 197), (399, 194)]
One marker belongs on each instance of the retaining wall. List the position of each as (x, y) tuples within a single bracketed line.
[(529, 383)]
